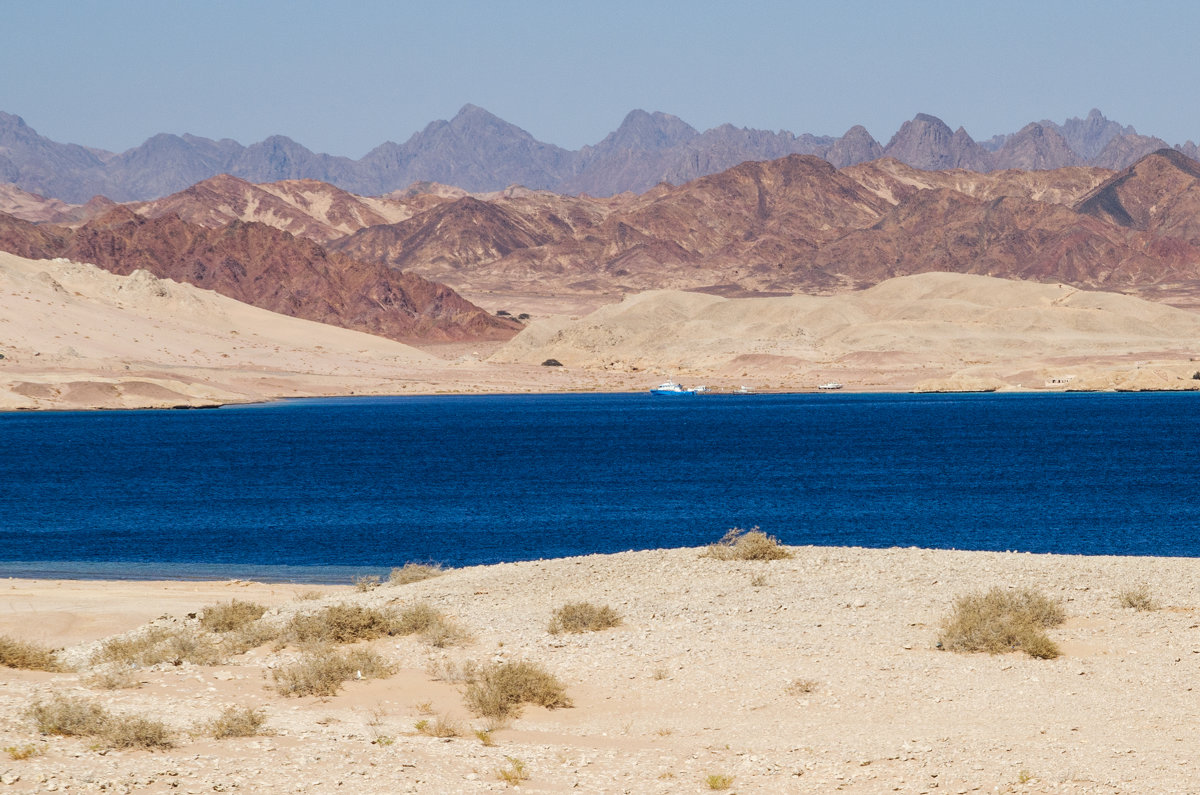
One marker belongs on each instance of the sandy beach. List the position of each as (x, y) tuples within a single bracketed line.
[(816, 673)]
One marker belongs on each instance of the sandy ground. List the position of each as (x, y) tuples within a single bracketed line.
[(815, 674), (73, 336)]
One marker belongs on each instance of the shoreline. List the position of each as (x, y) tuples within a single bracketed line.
[(250, 573), (620, 390)]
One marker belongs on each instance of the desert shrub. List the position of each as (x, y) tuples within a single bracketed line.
[(79, 717), (237, 722), (68, 717), (415, 572), (442, 727), (19, 753), (499, 691), (431, 624), (367, 582), (582, 617), (30, 656), (514, 773), (718, 781), (132, 731), (158, 645), (322, 671), (231, 616), (1001, 621), (1138, 597), (752, 544), (341, 623), (800, 687), (114, 677)]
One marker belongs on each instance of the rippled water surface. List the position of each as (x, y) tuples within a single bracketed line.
[(320, 489)]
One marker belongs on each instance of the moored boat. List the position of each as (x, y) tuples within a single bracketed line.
[(830, 385), (669, 387)]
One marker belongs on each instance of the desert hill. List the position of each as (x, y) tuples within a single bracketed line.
[(938, 330), (798, 225), (795, 224), (479, 152), (265, 267), (75, 336)]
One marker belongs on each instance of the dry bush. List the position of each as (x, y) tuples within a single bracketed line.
[(341, 623), (432, 625), (498, 691), (1001, 621), (446, 670), (367, 582), (514, 774), (250, 636), (718, 781), (322, 671), (231, 616), (160, 644), (68, 717), (237, 722), (582, 617), (1138, 597), (114, 677), (442, 727), (415, 572), (19, 753), (79, 717), (29, 656), (752, 544), (132, 731), (485, 737), (800, 687)]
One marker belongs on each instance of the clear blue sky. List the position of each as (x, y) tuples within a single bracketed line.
[(341, 78)]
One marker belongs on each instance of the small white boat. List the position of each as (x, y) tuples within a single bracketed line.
[(671, 388), (830, 385)]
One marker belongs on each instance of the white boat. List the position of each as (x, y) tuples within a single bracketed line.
[(830, 385), (671, 388)]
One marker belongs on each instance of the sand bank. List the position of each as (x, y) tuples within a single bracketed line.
[(813, 674)]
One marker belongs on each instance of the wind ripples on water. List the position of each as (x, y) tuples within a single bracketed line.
[(319, 489)]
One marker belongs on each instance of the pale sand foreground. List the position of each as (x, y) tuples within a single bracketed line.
[(696, 682)]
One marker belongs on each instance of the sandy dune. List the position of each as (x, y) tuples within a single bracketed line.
[(814, 674), (931, 331), (76, 336)]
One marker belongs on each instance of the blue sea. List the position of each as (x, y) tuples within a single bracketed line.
[(322, 490)]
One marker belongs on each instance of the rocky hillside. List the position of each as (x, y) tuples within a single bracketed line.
[(264, 267)]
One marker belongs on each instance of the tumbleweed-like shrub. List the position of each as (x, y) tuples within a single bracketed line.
[(499, 691), (1001, 621), (30, 656), (752, 544), (582, 617)]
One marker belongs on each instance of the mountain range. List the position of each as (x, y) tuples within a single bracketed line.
[(794, 224), (479, 152)]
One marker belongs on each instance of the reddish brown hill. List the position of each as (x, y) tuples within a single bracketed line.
[(26, 239), (1160, 194), (943, 230), (305, 208), (894, 181), (716, 230), (269, 268)]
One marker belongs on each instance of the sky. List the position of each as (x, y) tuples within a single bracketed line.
[(343, 78)]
